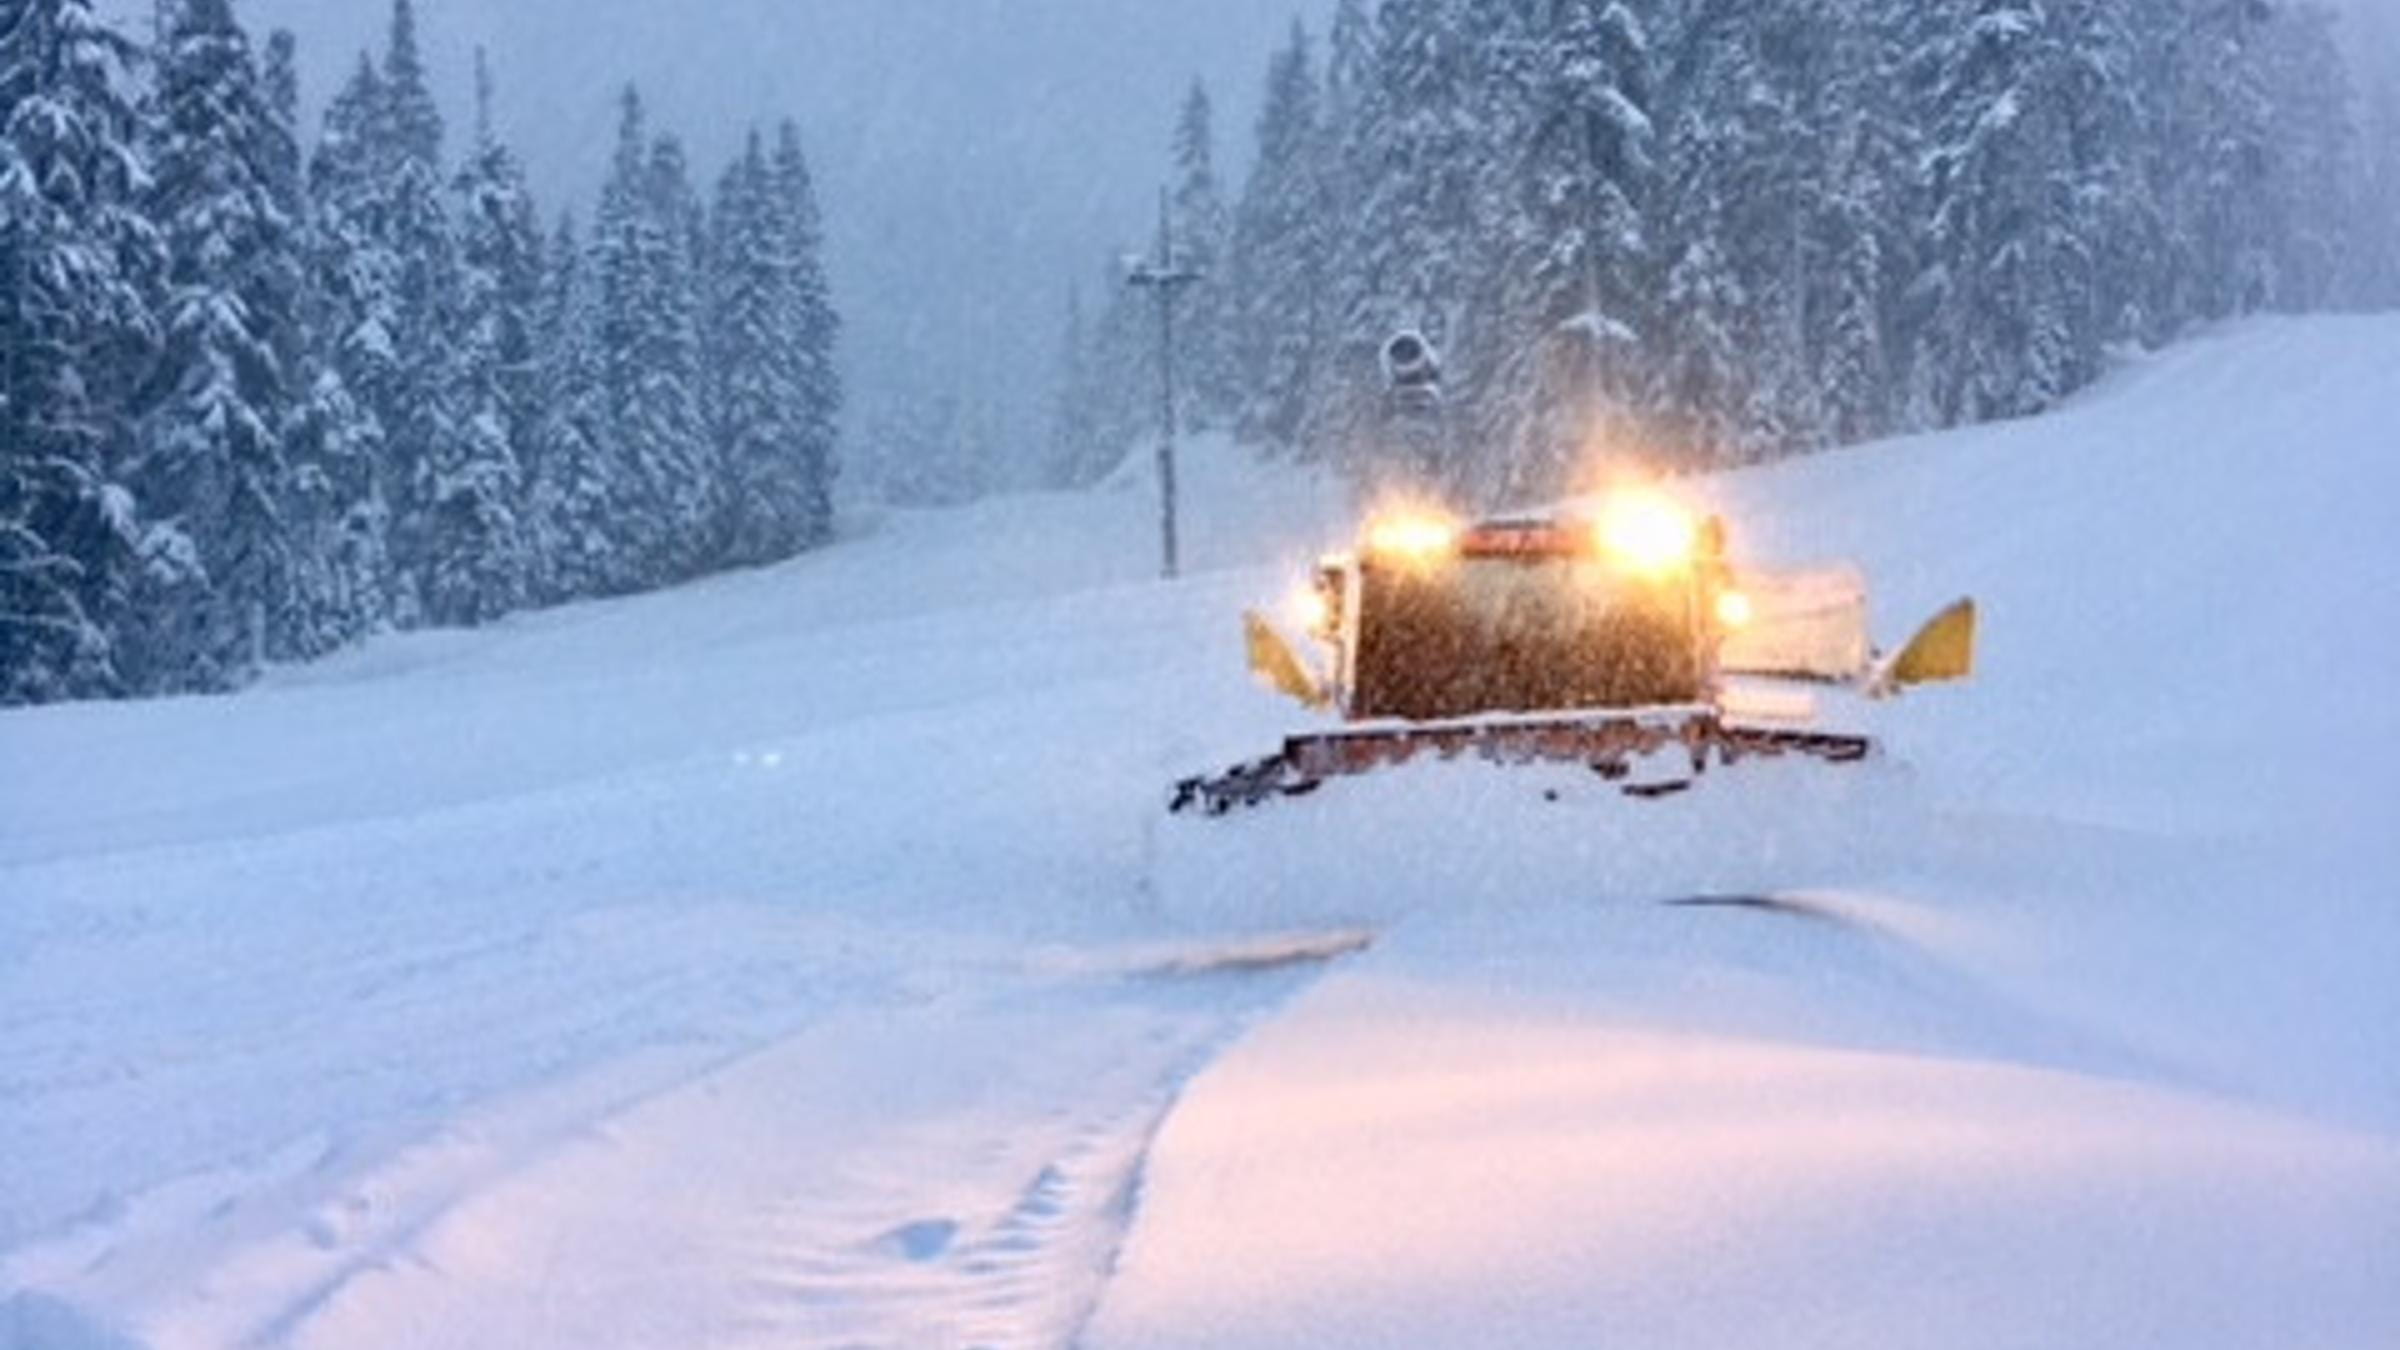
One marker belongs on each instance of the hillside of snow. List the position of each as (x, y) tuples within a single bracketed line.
[(2079, 1026), (805, 958)]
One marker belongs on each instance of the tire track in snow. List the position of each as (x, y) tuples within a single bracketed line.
[(958, 1173)]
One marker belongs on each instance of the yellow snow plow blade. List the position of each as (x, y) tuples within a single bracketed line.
[(1943, 650), (1273, 661)]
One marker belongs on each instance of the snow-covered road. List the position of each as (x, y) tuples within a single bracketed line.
[(803, 958)]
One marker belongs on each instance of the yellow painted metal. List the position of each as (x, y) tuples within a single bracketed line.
[(1273, 661), (1944, 649)]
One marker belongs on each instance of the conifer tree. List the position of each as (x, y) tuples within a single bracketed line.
[(2220, 199), (1407, 251), (256, 405), (813, 335), (576, 542), (423, 421), (1576, 278), (76, 256), (336, 554), (1349, 61), (1113, 386), (1202, 229), (213, 464), (2004, 250), (757, 371), (476, 566), (1277, 274), (2316, 170), (413, 120), (339, 446), (650, 350)]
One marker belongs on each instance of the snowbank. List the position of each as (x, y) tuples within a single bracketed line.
[(806, 958), (2079, 1029)]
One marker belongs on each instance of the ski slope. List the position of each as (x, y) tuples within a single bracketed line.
[(803, 958)]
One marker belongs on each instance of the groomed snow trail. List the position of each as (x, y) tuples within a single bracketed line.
[(772, 962), (911, 1177), (804, 959), (2073, 1025)]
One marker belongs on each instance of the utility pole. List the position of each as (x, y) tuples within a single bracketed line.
[(1165, 279)]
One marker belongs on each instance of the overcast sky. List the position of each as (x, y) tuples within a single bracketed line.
[(975, 156)]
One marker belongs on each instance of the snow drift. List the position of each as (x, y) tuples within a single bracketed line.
[(805, 958)]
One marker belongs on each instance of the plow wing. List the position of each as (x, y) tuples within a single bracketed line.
[(1942, 651), (1812, 625)]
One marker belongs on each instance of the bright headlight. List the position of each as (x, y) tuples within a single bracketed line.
[(1312, 611), (1648, 533), (1734, 610), (1413, 538)]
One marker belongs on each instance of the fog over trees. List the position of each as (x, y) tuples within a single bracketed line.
[(298, 345), (1688, 233), (972, 153)]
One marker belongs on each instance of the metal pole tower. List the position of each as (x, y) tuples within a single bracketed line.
[(1165, 279)]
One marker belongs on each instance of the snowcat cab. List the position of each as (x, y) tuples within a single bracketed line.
[(1603, 639), (1430, 621)]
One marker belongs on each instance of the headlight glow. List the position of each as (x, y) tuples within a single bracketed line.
[(1413, 538), (1648, 533), (1312, 611)]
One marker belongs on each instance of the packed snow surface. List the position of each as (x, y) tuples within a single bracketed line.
[(804, 958)]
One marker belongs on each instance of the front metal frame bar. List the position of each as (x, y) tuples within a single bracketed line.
[(1609, 744)]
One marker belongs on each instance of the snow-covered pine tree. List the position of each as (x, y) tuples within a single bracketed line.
[(1276, 283), (575, 542), (1202, 228), (1869, 214), (650, 352), (2219, 156), (331, 597), (213, 465), (279, 75), (672, 415), (1788, 265), (1408, 243), (423, 422), (2097, 83), (1576, 291), (2007, 265), (1856, 249), (339, 446), (1785, 206), (1495, 340), (1328, 410), (624, 254), (1112, 388), (755, 370), (1709, 397), (2314, 171), (812, 337), (76, 257), (477, 565), (413, 120), (1349, 61)]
